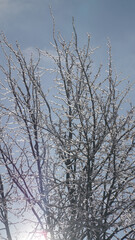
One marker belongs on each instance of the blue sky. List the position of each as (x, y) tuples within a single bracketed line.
[(29, 22)]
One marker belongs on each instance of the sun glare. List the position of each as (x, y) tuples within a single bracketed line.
[(40, 236)]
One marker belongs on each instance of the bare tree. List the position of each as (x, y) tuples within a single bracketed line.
[(72, 159), (3, 209)]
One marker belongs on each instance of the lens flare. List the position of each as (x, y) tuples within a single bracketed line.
[(43, 235)]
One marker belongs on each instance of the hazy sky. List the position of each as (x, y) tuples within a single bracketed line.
[(29, 22)]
